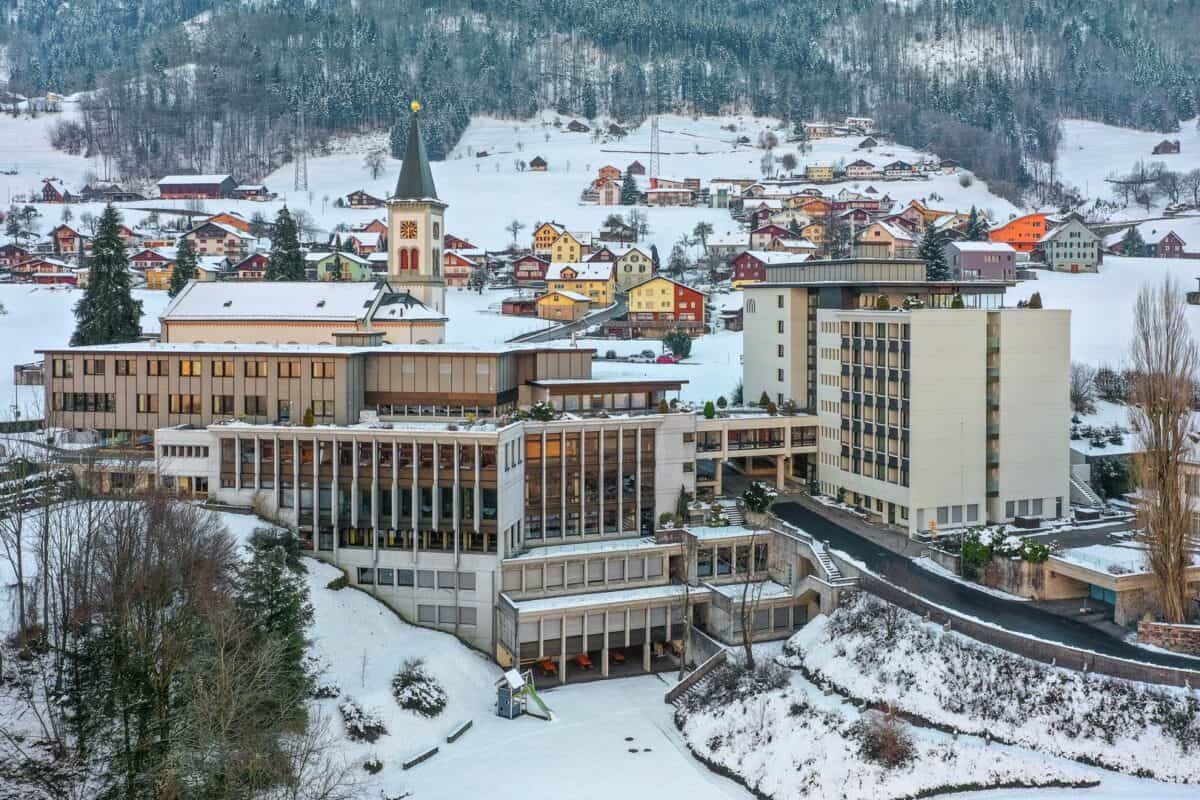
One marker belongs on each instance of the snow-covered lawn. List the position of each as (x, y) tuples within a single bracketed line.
[(792, 741), (475, 318), (884, 654), (1101, 304)]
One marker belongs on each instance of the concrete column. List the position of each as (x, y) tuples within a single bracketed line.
[(375, 496), (720, 476), (620, 481), (646, 648), (604, 650), (544, 506), (456, 514), (275, 473), (354, 522), (416, 499), (333, 493), (562, 484), (780, 472), (394, 523), (237, 462), (434, 496), (583, 485), (477, 511), (296, 478), (258, 465), (562, 649), (316, 498), (637, 521), (600, 496)]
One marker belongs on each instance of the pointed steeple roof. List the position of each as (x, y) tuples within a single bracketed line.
[(416, 179)]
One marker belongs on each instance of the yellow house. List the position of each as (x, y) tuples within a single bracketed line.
[(814, 232), (563, 306), (544, 236), (633, 267), (159, 278), (593, 279), (566, 248), (819, 172), (653, 296)]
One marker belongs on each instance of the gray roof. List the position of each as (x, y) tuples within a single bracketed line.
[(416, 179)]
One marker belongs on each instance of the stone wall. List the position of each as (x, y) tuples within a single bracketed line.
[(1180, 638)]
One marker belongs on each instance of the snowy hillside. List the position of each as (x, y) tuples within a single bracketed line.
[(1091, 151)]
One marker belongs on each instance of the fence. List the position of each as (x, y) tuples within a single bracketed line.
[(1037, 649)]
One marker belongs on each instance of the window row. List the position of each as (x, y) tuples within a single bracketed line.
[(418, 578)]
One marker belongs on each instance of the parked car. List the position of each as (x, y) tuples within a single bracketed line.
[(648, 354), (666, 358), (641, 359)]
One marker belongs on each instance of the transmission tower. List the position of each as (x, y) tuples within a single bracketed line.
[(302, 154), (654, 147)]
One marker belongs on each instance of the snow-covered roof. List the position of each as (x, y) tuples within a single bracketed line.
[(273, 300), (771, 257), (1154, 231), (896, 231), (804, 243), (728, 239), (584, 270), (576, 296), (320, 349), (232, 231), (169, 180), (757, 590), (668, 280), (588, 549), (983, 247), (668, 591)]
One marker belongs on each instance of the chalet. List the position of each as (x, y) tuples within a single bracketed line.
[(818, 172), (337, 266), (620, 232), (575, 126), (594, 280), (692, 184), (603, 253), (205, 187), (1166, 147), (544, 236), (208, 270), (44, 270), (948, 165), (750, 266), (563, 305), (232, 219), (1071, 247), (11, 255), (726, 245), (732, 319), (530, 269), (609, 173), (374, 226), (360, 199), (860, 169), (566, 248), (814, 232), (814, 206), (633, 265), (616, 130), (153, 258), (251, 268), (868, 143), (67, 241), (457, 268), (361, 243), (1161, 242), (899, 169), (855, 216), (860, 124), (797, 246), (636, 168), (666, 302), (670, 197), (107, 192), (608, 193), (883, 239), (251, 191), (218, 238), (786, 218), (818, 130), (452, 242), (538, 164), (55, 191), (1023, 232), (761, 236), (519, 306)]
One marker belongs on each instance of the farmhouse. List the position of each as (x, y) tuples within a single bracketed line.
[(205, 187)]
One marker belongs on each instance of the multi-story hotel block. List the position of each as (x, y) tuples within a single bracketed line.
[(937, 406)]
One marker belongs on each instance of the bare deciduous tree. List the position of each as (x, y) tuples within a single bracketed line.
[(1083, 388), (1164, 362), (374, 161)]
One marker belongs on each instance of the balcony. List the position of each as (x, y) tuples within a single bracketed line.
[(993, 344), (993, 459), (993, 373), (993, 431), (993, 488)]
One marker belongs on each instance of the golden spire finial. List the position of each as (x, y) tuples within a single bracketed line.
[(415, 106)]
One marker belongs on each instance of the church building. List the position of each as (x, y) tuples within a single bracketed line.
[(416, 223)]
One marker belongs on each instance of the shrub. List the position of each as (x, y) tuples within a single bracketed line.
[(338, 583), (957, 302), (666, 518), (734, 681), (663, 408), (679, 343), (1035, 300), (361, 726), (758, 497), (373, 765), (415, 689), (883, 739), (710, 410), (764, 399), (309, 419), (722, 402), (772, 409), (542, 412), (881, 303)]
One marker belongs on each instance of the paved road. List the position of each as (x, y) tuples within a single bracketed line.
[(564, 330), (1010, 614)]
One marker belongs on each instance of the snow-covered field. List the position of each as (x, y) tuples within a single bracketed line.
[(1091, 151)]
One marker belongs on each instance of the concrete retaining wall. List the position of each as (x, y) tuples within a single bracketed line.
[(1180, 638)]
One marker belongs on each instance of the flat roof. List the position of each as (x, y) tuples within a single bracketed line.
[(383, 426), (702, 532), (541, 605), (330, 350), (584, 549), (551, 382), (755, 590)]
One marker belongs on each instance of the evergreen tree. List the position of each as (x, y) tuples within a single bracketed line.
[(1132, 243), (977, 229), (589, 101), (107, 313), (334, 270), (654, 265), (795, 230), (286, 262), (629, 190), (185, 268), (930, 251)]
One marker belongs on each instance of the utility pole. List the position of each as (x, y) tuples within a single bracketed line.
[(301, 184), (654, 164)]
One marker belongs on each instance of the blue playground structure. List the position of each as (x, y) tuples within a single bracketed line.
[(514, 690)]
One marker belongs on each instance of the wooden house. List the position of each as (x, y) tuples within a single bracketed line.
[(608, 193), (186, 187), (636, 168), (152, 258), (218, 238), (519, 306), (452, 242), (575, 126), (360, 199), (55, 191), (67, 241), (566, 248), (544, 236), (563, 305), (595, 280), (12, 254), (660, 304), (750, 266), (609, 173), (1023, 233), (1166, 147), (883, 239), (530, 269), (538, 164), (251, 268), (860, 169), (251, 191), (457, 268), (761, 236)]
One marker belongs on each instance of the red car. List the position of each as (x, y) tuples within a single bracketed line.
[(666, 359)]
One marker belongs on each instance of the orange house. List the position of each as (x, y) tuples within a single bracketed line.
[(1022, 233), (232, 219)]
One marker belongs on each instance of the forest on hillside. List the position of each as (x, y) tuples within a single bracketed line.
[(217, 84)]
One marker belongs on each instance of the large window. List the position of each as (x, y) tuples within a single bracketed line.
[(156, 366), (289, 369), (255, 405), (322, 369), (189, 368), (184, 403), (223, 404), (256, 369)]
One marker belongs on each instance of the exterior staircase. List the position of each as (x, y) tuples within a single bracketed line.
[(732, 512), (1084, 495), (832, 570)]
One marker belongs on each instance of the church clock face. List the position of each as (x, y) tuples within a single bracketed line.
[(408, 229)]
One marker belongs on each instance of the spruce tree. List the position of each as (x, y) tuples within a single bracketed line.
[(654, 258), (286, 262), (107, 313), (930, 251), (185, 268), (977, 230), (1132, 243), (629, 190)]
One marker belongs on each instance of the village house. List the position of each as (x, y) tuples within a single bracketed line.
[(1022, 233), (860, 169), (868, 143), (860, 124), (67, 241), (980, 261), (631, 264), (55, 191), (339, 266), (188, 187), (1071, 247), (855, 216), (457, 268), (153, 258), (818, 172), (750, 266), (452, 242), (107, 192), (563, 306), (544, 236), (232, 219), (636, 168), (12, 254), (812, 206), (360, 199), (519, 306), (608, 173), (218, 238), (567, 248), (885, 240), (761, 237), (251, 191), (538, 164), (361, 243), (608, 193), (724, 246), (251, 268), (786, 218), (45, 271), (595, 280), (1158, 241), (1166, 147), (670, 197), (530, 269), (660, 304), (899, 169), (575, 126), (818, 130), (789, 245), (815, 232)]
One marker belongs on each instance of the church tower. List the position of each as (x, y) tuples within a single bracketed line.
[(416, 226)]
